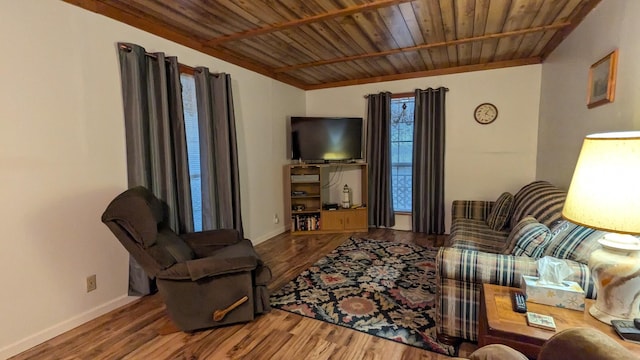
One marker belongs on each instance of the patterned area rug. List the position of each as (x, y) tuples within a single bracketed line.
[(386, 289)]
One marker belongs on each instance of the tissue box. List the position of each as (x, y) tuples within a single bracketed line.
[(570, 296)]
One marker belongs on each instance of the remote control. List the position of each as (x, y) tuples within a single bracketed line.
[(627, 329), (519, 302)]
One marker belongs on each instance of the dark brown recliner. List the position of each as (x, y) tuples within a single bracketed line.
[(206, 279)]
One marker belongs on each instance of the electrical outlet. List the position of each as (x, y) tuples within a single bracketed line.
[(276, 220), (92, 284)]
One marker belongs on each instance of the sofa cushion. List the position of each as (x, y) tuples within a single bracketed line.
[(476, 235), (174, 245), (574, 242), (530, 238), (500, 212), (541, 200)]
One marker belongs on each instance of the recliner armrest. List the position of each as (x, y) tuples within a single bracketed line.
[(481, 267), (205, 267), (583, 343), (471, 209), (234, 258), (506, 270), (204, 243)]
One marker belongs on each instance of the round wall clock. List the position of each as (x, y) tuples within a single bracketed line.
[(485, 113)]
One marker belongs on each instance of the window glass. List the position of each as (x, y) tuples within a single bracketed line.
[(401, 151), (190, 109)]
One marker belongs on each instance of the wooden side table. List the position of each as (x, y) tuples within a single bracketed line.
[(499, 324)]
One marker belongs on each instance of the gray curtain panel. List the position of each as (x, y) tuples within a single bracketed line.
[(221, 207), (379, 159), (428, 161), (155, 139)]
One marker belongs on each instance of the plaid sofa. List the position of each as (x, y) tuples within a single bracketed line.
[(475, 254)]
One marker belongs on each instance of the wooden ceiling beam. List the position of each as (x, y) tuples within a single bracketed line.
[(166, 32), (561, 35), (427, 73), (306, 20), (424, 47)]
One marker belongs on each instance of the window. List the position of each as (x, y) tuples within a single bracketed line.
[(401, 151), (190, 110)]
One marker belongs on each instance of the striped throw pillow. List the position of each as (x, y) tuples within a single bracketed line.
[(539, 199), (530, 238), (574, 242), (500, 212)]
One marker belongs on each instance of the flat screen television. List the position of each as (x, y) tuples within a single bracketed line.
[(326, 139)]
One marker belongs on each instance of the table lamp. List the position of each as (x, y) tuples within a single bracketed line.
[(605, 194)]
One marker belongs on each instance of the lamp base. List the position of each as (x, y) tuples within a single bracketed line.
[(615, 269), (603, 316)]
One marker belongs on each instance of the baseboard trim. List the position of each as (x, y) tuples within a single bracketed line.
[(55, 330), (268, 235)]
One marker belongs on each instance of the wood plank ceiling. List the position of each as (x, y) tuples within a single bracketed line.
[(313, 44)]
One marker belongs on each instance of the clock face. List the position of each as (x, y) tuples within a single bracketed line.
[(485, 113)]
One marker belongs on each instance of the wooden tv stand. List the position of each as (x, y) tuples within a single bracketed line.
[(308, 187)]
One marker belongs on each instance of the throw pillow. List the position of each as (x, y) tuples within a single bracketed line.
[(529, 237), (500, 212), (574, 242), (539, 199)]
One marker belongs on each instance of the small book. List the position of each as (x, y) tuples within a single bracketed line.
[(541, 321)]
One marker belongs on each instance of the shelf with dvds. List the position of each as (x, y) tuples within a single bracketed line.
[(305, 222)]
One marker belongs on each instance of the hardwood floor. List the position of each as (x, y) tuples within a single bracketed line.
[(132, 332)]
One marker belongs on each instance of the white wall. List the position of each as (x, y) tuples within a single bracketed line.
[(62, 159), (564, 116), (481, 160)]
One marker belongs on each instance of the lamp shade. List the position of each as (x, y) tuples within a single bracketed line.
[(605, 188)]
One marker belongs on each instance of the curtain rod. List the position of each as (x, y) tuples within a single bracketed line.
[(154, 56), (404, 94)]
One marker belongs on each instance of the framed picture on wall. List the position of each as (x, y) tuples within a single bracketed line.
[(602, 80)]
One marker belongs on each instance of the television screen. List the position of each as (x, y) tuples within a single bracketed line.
[(326, 138)]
